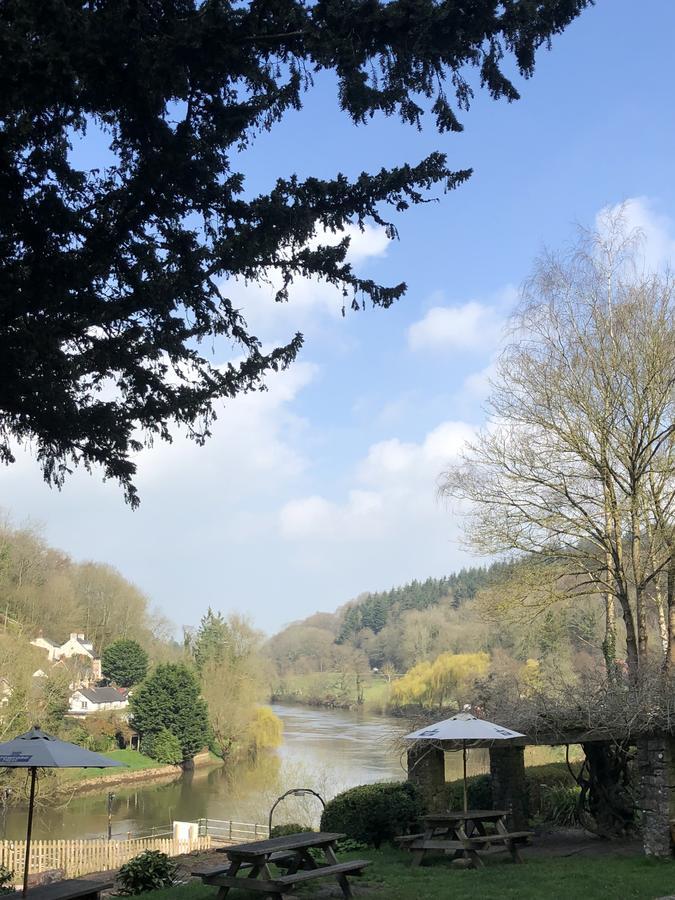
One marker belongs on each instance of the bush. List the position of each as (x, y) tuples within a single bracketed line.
[(560, 804), (538, 780), (149, 871), (288, 828), (373, 813), (6, 881), (164, 747)]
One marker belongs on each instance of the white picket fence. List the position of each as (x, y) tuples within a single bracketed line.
[(81, 857)]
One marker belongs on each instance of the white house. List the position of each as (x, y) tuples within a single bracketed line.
[(76, 645), (85, 701)]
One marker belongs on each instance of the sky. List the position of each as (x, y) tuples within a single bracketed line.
[(325, 486)]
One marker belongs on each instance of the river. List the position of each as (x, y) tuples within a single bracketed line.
[(324, 749), (327, 750)]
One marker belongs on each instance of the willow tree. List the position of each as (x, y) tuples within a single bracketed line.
[(574, 472), (115, 278)]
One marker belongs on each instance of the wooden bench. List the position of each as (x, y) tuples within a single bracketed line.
[(338, 870), (207, 873), (70, 889)]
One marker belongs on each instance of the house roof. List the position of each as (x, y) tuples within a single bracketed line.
[(41, 637), (103, 694)]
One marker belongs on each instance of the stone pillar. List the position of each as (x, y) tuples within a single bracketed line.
[(656, 769), (509, 789), (426, 769)]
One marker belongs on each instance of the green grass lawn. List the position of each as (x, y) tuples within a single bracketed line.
[(133, 760), (391, 878)]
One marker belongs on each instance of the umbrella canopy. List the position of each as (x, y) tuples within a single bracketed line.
[(464, 729), (38, 750)]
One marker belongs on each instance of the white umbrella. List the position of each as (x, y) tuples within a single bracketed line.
[(464, 728), (38, 750)]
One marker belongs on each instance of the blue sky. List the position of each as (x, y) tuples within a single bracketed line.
[(325, 486)]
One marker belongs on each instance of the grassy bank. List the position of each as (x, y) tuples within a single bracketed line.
[(132, 759), (390, 876), (333, 690), (136, 767)]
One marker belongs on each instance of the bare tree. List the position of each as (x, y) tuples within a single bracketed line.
[(575, 467)]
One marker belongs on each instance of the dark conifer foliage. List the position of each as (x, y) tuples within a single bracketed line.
[(109, 277)]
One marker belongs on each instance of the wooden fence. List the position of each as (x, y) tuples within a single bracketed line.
[(81, 857)]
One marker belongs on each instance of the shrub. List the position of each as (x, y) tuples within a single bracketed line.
[(373, 813), (288, 828), (560, 804), (149, 871), (6, 881), (164, 747), (538, 779)]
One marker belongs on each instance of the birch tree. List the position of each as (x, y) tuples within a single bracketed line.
[(575, 467)]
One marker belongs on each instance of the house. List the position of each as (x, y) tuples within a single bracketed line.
[(5, 691), (88, 700), (76, 645)]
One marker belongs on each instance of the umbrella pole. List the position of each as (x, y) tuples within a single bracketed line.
[(466, 799), (29, 829)]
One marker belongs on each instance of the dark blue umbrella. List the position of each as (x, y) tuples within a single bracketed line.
[(37, 750)]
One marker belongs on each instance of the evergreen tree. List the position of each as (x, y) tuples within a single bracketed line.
[(124, 662), (170, 699), (213, 641), (111, 276)]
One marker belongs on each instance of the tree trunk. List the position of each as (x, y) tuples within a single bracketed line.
[(670, 607), (609, 643), (632, 656), (606, 803)]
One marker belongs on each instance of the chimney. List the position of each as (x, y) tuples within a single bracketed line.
[(73, 635)]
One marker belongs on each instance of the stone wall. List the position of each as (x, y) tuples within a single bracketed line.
[(509, 790), (426, 769), (656, 769)]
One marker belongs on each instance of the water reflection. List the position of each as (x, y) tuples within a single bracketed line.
[(327, 750)]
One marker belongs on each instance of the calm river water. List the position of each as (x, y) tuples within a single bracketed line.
[(324, 749)]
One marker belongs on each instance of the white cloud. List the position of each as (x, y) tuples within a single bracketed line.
[(393, 500), (311, 300), (473, 325), (657, 230)]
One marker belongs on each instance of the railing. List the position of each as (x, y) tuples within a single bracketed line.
[(80, 857), (225, 831)]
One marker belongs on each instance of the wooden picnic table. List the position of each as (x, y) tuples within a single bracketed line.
[(290, 853), (464, 833)]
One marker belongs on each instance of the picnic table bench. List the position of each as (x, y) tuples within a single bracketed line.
[(464, 833), (290, 853), (70, 889)]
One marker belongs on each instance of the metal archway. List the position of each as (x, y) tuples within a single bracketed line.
[(297, 791)]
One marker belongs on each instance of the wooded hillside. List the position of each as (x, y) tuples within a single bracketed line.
[(475, 610), (43, 589)]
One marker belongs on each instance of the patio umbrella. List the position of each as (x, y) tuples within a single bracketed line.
[(464, 728), (37, 750)]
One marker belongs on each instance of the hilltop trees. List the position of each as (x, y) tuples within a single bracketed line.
[(576, 471), (124, 662), (113, 274)]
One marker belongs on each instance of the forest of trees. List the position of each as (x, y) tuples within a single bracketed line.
[(42, 589), (466, 612)]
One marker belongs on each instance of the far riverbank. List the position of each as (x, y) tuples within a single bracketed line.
[(140, 769)]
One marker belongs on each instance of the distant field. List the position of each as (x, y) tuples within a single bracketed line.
[(324, 686)]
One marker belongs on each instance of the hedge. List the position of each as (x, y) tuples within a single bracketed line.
[(479, 787), (374, 813)]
